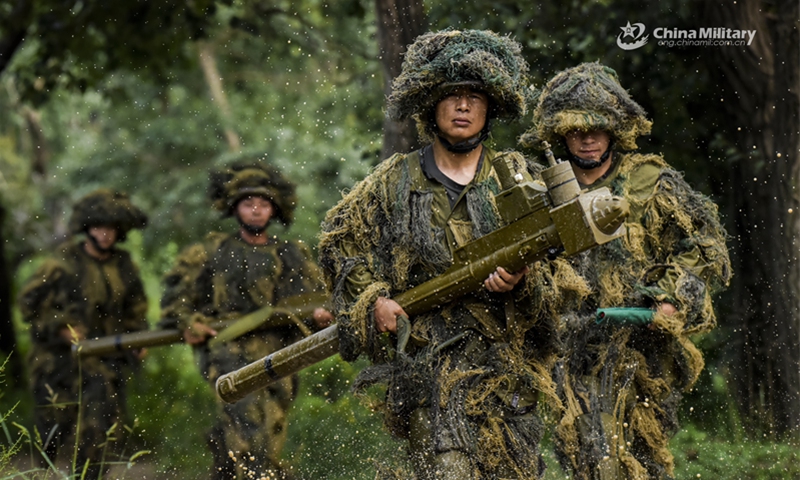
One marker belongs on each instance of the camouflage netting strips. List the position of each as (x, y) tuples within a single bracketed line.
[(637, 420), (371, 223), (381, 211), (676, 220), (634, 377), (106, 207), (465, 402), (586, 97), (458, 56), (247, 177)]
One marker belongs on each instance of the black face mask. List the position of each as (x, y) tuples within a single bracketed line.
[(252, 229), (590, 164)]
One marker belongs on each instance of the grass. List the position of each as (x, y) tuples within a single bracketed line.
[(699, 454), (333, 437), (23, 445)]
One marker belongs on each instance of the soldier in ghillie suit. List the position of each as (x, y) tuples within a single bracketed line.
[(621, 383), (230, 275), (88, 289), (464, 392)]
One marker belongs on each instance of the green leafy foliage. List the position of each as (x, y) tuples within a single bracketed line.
[(161, 145), (174, 406), (331, 434), (75, 45), (699, 454)]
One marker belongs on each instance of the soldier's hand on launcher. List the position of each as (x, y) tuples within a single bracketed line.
[(667, 308), (74, 334), (386, 312), (502, 281), (198, 333), (322, 317)]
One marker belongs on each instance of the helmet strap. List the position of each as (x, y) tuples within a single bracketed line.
[(468, 145), (252, 229), (584, 164)]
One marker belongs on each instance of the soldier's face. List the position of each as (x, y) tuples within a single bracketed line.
[(589, 145), (461, 114), (104, 235), (255, 211)]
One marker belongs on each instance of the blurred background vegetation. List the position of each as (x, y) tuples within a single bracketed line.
[(148, 96)]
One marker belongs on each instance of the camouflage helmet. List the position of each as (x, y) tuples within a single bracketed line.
[(244, 179), (106, 207), (438, 61), (586, 97)]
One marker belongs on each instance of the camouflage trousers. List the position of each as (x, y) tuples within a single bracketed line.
[(621, 397), (247, 439), (83, 399), (465, 415)]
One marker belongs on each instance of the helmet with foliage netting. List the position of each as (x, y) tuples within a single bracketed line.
[(243, 179), (439, 61), (586, 97), (106, 207)]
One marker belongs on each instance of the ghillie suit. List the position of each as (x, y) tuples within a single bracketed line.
[(242, 179), (100, 298), (586, 97), (471, 375), (621, 384), (465, 390), (224, 277), (439, 61)]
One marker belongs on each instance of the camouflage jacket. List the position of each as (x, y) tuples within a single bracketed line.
[(395, 230), (72, 288), (226, 277), (674, 250)]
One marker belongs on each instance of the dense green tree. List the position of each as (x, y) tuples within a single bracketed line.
[(76, 44), (300, 86), (758, 125)]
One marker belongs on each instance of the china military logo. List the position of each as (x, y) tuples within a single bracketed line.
[(636, 32)]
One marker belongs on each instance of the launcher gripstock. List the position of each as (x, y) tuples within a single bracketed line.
[(288, 311), (131, 341), (539, 221)]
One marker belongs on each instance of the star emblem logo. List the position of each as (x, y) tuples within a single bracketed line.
[(636, 32), (628, 30)]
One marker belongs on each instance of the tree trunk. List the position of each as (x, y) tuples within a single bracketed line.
[(6, 327), (400, 22), (759, 89), (41, 151), (208, 63), (8, 342), (14, 32)]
